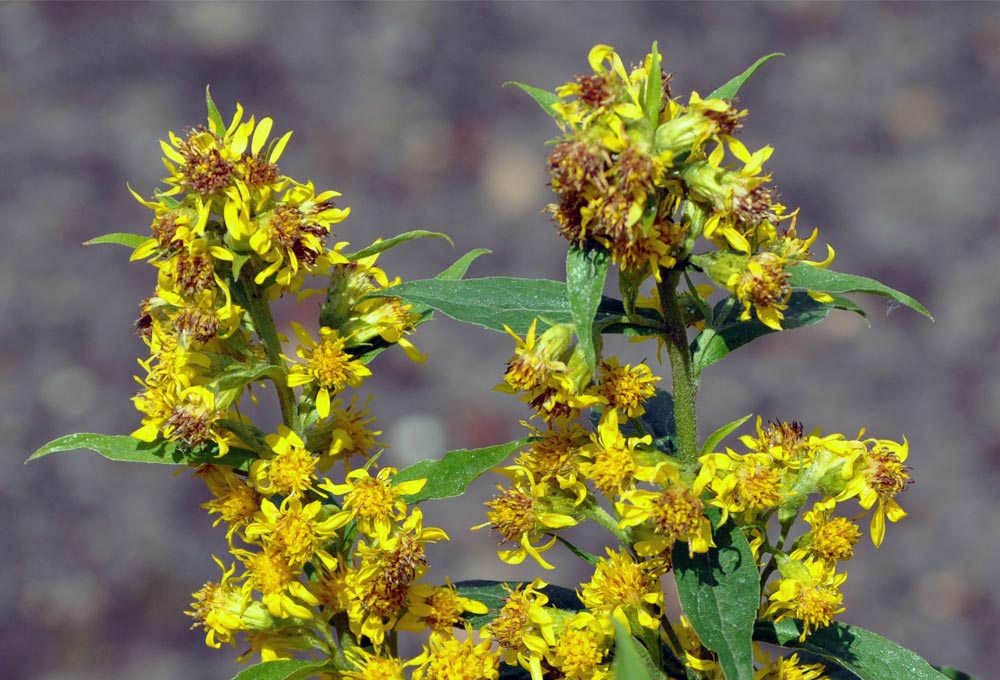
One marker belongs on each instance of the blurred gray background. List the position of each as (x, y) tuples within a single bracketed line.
[(885, 120)]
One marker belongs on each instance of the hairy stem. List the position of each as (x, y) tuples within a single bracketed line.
[(685, 383), (263, 321)]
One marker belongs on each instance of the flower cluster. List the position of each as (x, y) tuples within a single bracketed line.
[(230, 235), (327, 548), (644, 176)]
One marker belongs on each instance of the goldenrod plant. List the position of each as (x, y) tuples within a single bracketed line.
[(326, 566)]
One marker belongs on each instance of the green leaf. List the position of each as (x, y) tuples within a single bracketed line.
[(658, 420), (132, 241), (586, 272), (712, 345), (821, 280), (238, 375), (448, 476), (490, 302), (629, 662), (587, 557), (723, 432), (461, 265), (867, 655), (380, 246), (729, 90), (544, 98), (494, 594), (213, 113), (128, 449), (720, 592), (653, 96), (286, 669)]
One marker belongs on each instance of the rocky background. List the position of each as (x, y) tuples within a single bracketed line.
[(884, 117)]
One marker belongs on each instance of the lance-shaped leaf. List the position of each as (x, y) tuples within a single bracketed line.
[(630, 662), (132, 241), (381, 246), (448, 476), (213, 113), (285, 669), (733, 85), (491, 302), (544, 98), (716, 437), (712, 344), (867, 655), (822, 280), (586, 272), (719, 592), (652, 97), (130, 450)]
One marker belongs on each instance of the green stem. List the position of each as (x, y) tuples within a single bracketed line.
[(263, 321), (601, 516), (685, 382)]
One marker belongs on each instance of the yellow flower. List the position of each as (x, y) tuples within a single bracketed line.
[(526, 515), (292, 235), (191, 417), (662, 517), (830, 540), (808, 591), (372, 666), (439, 608), (235, 500), (626, 388), (218, 607), (327, 365), (553, 457), (289, 470), (375, 503), (525, 628), (879, 476), (534, 362), (762, 287), (747, 483), (346, 434), (293, 532), (789, 668), (270, 573), (448, 658), (626, 589), (611, 464), (581, 649)]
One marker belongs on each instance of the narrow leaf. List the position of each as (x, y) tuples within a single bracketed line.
[(461, 265), (239, 375), (628, 661), (130, 450), (720, 592), (729, 90), (448, 476), (286, 669), (653, 96), (490, 302), (586, 272), (544, 98), (381, 246), (711, 345), (132, 241), (867, 655), (822, 280), (723, 432), (213, 113)]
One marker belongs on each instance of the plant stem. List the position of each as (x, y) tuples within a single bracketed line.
[(685, 382), (263, 321)]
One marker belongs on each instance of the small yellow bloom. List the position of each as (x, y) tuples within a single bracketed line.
[(808, 591), (626, 589), (375, 503), (448, 658), (328, 365)]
